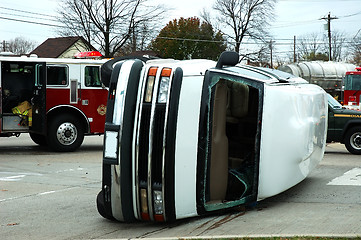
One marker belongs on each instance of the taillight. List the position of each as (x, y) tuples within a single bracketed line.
[(144, 204)]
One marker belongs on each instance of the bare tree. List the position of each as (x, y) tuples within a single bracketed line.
[(354, 49), (109, 24), (245, 19), (20, 45), (309, 44), (315, 47), (338, 41)]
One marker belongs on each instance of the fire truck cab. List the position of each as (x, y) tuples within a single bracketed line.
[(352, 88), (56, 101)]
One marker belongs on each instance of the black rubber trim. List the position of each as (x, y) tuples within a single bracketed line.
[(126, 142), (170, 144), (112, 93), (106, 179), (106, 194), (202, 154)]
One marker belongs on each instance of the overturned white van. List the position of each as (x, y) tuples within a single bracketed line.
[(187, 138)]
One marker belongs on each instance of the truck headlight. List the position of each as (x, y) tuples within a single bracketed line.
[(164, 85), (158, 202), (163, 90)]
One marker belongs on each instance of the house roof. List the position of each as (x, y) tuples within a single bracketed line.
[(54, 47)]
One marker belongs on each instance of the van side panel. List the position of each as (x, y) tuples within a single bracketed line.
[(285, 158), (186, 147)]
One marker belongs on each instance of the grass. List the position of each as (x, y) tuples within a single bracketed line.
[(279, 238)]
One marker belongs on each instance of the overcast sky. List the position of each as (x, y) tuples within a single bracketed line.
[(292, 17)]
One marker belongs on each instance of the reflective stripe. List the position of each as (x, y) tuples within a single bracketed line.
[(16, 110)]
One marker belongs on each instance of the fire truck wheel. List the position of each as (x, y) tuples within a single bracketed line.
[(65, 133), (38, 139), (353, 140)]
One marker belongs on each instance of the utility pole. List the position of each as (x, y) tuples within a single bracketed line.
[(271, 48), (294, 49), (328, 19)]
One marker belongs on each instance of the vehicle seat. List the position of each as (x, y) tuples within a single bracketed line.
[(219, 148), (237, 106)]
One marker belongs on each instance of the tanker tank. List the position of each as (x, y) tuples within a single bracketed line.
[(328, 75)]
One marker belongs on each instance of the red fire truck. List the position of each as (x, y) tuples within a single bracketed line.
[(352, 87), (56, 101)]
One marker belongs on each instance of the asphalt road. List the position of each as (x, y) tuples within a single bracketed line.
[(46, 195)]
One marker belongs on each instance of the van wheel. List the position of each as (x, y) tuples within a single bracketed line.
[(65, 133), (38, 139), (353, 140)]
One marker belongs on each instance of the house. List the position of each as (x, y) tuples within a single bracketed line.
[(62, 47)]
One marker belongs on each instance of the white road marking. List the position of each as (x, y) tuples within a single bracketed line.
[(12, 178), (39, 194), (4, 176), (15, 176), (350, 178)]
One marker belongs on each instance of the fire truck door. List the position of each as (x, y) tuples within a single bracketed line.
[(39, 101)]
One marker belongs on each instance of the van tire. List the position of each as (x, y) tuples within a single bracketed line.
[(65, 133), (353, 140), (107, 68), (38, 139)]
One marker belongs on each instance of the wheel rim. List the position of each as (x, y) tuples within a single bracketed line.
[(67, 133), (355, 140)]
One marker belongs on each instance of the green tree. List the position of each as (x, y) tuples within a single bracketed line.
[(188, 39)]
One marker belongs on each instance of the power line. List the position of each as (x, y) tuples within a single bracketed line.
[(32, 22), (17, 15), (175, 38), (34, 13)]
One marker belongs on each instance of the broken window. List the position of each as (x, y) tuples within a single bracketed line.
[(232, 162)]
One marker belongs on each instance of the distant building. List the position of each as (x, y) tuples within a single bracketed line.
[(62, 47)]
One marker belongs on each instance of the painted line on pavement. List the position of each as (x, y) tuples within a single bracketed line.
[(349, 178)]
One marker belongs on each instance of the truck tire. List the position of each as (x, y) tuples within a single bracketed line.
[(353, 140), (38, 139), (107, 68), (65, 133)]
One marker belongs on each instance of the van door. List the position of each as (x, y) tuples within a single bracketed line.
[(39, 101)]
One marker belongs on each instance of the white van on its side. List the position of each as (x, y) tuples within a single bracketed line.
[(186, 138)]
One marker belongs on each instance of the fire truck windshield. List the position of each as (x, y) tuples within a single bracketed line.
[(353, 82)]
